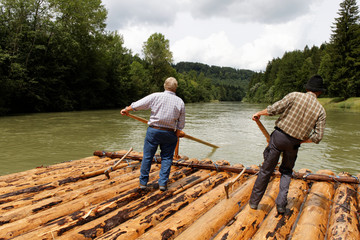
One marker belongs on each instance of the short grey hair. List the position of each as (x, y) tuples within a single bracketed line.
[(171, 84)]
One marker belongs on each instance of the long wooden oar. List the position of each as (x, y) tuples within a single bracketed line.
[(186, 135), (263, 129)]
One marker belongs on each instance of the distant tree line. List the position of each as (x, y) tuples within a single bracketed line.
[(338, 62), (55, 55)]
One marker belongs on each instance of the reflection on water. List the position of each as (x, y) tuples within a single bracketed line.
[(43, 139)]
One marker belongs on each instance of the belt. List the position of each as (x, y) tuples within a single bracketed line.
[(163, 128), (280, 130)]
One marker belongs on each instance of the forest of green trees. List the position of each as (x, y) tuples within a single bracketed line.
[(56, 55), (338, 62)]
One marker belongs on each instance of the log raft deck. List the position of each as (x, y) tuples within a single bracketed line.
[(75, 200)]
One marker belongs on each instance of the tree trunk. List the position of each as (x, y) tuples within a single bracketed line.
[(343, 222), (246, 222), (277, 226), (209, 223), (314, 216)]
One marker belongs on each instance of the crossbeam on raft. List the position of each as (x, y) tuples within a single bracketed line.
[(181, 163)]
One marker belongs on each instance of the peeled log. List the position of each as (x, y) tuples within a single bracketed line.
[(343, 222), (277, 226), (209, 223), (56, 190), (247, 221), (175, 224), (37, 219), (314, 217), (112, 219), (133, 228)]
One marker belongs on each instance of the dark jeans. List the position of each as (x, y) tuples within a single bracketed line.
[(167, 141), (289, 146)]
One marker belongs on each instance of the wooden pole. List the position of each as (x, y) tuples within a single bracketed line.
[(185, 136), (263, 129)]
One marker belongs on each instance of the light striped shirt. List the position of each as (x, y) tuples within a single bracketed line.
[(167, 109), (302, 116)]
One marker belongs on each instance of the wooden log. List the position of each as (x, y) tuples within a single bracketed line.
[(61, 176), (277, 226), (296, 175), (246, 222), (111, 220), (64, 189), (128, 193), (344, 223), (72, 195), (209, 223), (39, 172), (314, 216), (135, 227), (177, 223), (57, 209)]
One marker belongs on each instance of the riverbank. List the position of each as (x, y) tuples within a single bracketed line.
[(350, 104)]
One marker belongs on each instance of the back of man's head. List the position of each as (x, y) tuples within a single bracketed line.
[(171, 84), (315, 84)]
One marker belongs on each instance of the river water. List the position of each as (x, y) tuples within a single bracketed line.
[(34, 140)]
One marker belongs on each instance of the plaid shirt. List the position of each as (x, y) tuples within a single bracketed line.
[(167, 109), (302, 116)]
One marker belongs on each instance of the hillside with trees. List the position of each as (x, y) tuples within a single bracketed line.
[(338, 62), (56, 55)]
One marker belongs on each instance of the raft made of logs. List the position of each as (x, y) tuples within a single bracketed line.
[(204, 200)]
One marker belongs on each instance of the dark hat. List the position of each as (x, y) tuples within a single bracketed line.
[(315, 84)]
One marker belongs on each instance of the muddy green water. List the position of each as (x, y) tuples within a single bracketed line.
[(33, 140)]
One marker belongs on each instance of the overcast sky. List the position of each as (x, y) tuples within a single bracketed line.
[(243, 34)]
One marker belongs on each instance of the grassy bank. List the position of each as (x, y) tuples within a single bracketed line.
[(351, 104)]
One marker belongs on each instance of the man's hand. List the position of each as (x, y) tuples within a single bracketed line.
[(126, 110), (179, 133), (257, 115), (306, 141)]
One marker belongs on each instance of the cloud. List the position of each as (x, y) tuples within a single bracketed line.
[(274, 11), (244, 34), (122, 13)]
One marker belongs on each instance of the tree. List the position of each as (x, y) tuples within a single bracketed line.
[(159, 57), (344, 51)]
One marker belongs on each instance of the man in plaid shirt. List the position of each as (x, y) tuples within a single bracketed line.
[(302, 119), (166, 121)]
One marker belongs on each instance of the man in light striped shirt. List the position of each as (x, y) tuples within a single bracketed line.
[(166, 121), (302, 120)]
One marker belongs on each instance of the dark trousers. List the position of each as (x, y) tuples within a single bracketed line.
[(289, 146)]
